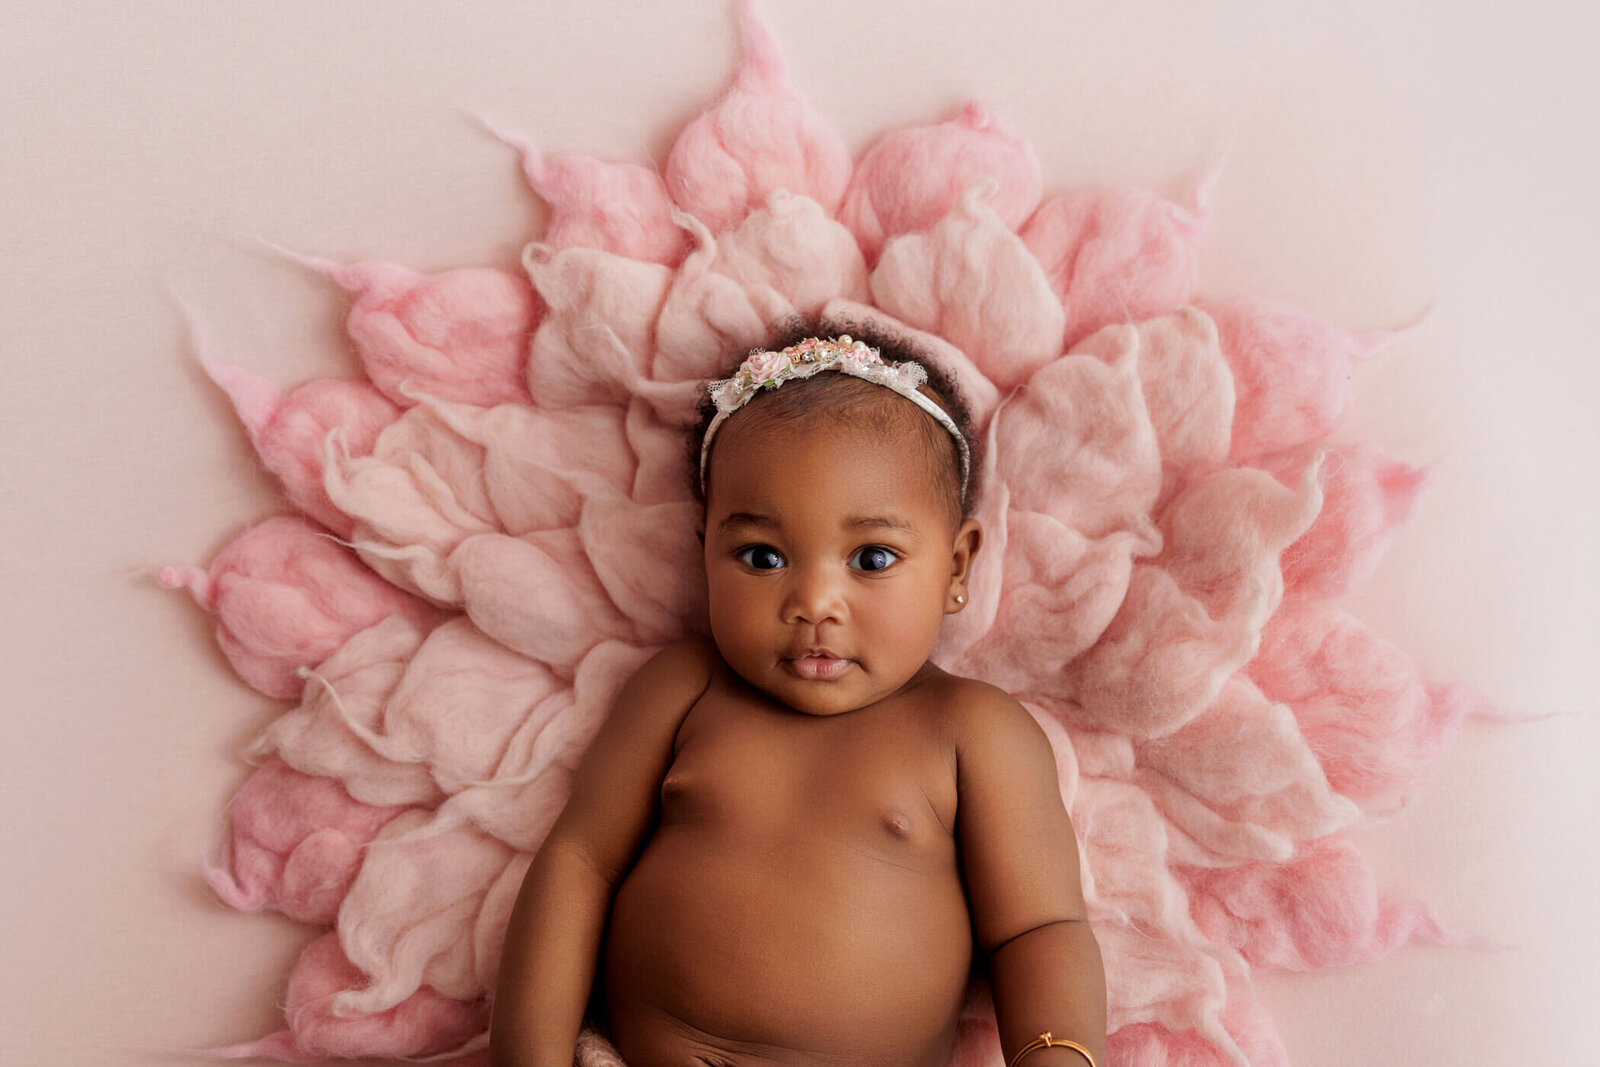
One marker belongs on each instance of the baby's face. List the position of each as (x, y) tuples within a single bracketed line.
[(831, 561)]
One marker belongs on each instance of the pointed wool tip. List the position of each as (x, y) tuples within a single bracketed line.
[(696, 229), (761, 62), (1370, 343), (196, 580), (1469, 703), (1202, 194), (1403, 484), (255, 400), (533, 165), (535, 255), (975, 115), (228, 890), (279, 1046), (325, 267)]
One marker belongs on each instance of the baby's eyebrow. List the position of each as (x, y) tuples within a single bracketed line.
[(882, 522), (746, 518)]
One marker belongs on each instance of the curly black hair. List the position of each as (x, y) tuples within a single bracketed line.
[(839, 394)]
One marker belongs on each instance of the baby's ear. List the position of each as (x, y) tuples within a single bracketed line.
[(968, 540)]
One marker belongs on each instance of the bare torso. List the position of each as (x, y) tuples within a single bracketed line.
[(800, 901)]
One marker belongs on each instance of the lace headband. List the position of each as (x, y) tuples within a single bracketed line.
[(768, 370)]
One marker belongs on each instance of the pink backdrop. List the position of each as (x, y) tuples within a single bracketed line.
[(1385, 157)]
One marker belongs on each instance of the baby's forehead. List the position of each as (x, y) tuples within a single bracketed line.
[(879, 437), (860, 465)]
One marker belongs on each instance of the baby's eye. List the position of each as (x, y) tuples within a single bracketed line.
[(873, 558), (760, 557)]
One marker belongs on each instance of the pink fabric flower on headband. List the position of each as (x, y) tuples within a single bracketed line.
[(764, 368)]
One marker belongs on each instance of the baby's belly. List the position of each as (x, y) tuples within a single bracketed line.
[(718, 953)]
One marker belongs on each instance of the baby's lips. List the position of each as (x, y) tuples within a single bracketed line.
[(818, 667)]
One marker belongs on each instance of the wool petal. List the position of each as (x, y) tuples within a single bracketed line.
[(1374, 725), (1059, 592), (1366, 499), (344, 706), (408, 920), (423, 1024), (760, 137), (596, 337), (295, 844), (540, 465), (792, 249), (459, 335), (1077, 444), (287, 430), (286, 596), (419, 495), (1245, 760), (1114, 255), (971, 280), (911, 178), (707, 315), (1291, 371), (538, 595), (1188, 388), (619, 208), (1323, 909)]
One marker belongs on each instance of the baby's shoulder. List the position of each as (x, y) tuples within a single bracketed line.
[(974, 711), (682, 669)]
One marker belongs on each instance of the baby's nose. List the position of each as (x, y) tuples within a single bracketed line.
[(814, 595)]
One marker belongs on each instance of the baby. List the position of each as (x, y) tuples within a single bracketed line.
[(795, 842)]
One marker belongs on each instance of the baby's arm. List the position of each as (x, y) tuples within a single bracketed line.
[(1020, 862), (548, 964)]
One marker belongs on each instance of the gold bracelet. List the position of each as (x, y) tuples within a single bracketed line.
[(1047, 1040)]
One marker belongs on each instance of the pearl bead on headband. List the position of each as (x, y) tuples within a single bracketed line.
[(768, 370)]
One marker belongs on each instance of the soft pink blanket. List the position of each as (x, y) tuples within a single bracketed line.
[(494, 530)]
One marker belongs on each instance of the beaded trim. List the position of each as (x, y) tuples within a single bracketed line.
[(768, 370)]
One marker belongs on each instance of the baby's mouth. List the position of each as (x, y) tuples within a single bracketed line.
[(817, 666)]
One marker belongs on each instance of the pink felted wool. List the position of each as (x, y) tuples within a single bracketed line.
[(1165, 528), (970, 280), (460, 335), (1321, 909), (425, 1024), (1115, 255), (346, 701), (1363, 709), (707, 313), (620, 208), (1366, 497), (595, 338), (912, 178), (430, 913), (1291, 372), (1241, 781), (792, 246), (759, 138), (1188, 389), (286, 595), (287, 430), (296, 844)]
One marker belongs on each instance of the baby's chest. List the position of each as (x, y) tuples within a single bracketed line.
[(882, 783)]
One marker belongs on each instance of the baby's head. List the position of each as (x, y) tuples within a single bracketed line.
[(836, 519)]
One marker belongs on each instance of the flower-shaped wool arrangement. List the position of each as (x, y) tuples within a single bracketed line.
[(496, 529)]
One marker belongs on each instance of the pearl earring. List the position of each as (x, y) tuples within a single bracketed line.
[(961, 598)]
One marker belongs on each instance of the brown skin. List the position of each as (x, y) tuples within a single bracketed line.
[(791, 846)]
